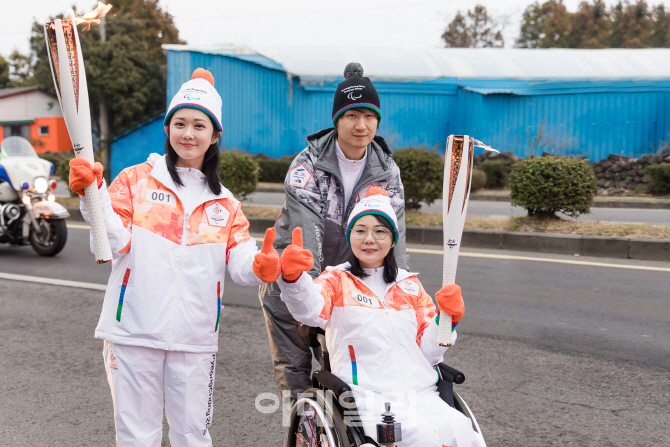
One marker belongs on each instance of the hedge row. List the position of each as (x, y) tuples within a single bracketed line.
[(543, 185)]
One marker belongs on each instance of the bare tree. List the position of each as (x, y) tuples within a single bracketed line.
[(474, 30)]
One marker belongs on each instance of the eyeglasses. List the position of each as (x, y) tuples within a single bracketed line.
[(361, 232)]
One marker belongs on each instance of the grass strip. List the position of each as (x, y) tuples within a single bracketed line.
[(520, 224)]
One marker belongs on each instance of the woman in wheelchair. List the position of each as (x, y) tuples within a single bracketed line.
[(381, 327)]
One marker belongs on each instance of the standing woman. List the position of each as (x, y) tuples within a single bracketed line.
[(173, 228)]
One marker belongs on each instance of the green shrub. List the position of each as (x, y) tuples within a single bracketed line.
[(57, 158), (61, 162), (547, 185), (478, 180), (422, 173), (660, 175), (497, 172), (273, 170), (53, 157), (239, 173), (62, 169)]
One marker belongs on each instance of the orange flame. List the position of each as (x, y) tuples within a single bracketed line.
[(92, 17)]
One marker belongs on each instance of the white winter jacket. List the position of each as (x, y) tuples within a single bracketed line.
[(169, 263), (379, 343)]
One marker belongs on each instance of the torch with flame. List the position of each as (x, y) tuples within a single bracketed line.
[(455, 196), (67, 69)]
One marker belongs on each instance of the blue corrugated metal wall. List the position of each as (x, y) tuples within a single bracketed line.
[(594, 125), (264, 110), (134, 146)]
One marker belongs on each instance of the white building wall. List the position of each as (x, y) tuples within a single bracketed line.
[(28, 106)]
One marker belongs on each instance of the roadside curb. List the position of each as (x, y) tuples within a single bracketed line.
[(269, 189), (594, 204), (75, 214), (567, 244)]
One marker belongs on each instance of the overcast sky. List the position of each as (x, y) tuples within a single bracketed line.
[(388, 23)]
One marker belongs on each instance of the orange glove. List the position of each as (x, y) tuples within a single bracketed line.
[(295, 259), (82, 175), (450, 301), (267, 264)]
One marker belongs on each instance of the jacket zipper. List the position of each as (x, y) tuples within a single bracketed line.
[(395, 339), (181, 272)]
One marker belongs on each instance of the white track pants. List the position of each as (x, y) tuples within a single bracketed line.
[(140, 377), (427, 421)]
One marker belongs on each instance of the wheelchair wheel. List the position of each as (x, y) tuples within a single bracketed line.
[(461, 406), (316, 422)]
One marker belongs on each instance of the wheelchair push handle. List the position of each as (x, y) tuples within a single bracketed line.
[(447, 372)]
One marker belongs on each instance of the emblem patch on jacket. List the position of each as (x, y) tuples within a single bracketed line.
[(217, 215), (299, 176), (409, 287)]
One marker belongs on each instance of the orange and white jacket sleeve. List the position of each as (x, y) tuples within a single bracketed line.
[(426, 324), (311, 301), (241, 250), (117, 210)]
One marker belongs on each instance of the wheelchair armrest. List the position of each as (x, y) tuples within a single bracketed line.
[(333, 383), (309, 335), (456, 376)]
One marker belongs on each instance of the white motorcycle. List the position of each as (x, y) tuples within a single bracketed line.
[(28, 211)]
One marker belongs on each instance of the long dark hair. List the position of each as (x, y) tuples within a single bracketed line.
[(390, 265), (210, 165)]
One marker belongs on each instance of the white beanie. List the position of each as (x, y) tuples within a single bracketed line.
[(377, 202), (198, 93)]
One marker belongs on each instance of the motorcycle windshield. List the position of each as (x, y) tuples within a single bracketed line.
[(16, 147)]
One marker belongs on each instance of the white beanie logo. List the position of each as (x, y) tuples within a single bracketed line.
[(372, 203)]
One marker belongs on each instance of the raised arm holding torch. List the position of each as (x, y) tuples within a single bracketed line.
[(67, 69), (456, 193)]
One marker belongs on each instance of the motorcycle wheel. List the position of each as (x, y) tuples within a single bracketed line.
[(52, 238)]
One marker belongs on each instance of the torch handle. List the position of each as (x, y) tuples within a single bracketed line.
[(448, 277), (444, 330), (103, 252)]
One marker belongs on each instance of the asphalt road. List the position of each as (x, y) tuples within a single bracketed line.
[(555, 353), (479, 208)]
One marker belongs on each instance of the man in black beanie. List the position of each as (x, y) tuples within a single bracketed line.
[(322, 186)]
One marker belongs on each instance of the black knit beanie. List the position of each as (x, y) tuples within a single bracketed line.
[(355, 91)]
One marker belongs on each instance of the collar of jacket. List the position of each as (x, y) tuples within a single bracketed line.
[(322, 143), (402, 274), (160, 172)]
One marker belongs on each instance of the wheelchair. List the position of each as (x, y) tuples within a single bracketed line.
[(326, 415)]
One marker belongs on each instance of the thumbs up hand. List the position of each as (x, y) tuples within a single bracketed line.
[(296, 259), (267, 264)]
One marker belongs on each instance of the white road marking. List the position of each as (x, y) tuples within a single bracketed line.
[(528, 258), (78, 226), (54, 282)]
